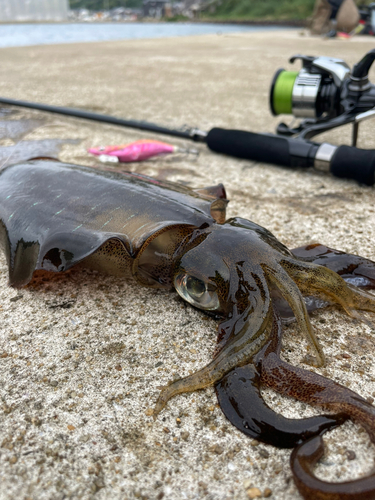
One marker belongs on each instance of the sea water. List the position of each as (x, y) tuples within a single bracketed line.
[(18, 35)]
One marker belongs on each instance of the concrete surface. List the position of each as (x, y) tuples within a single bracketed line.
[(82, 355)]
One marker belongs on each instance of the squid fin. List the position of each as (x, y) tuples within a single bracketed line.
[(217, 191), (218, 210)]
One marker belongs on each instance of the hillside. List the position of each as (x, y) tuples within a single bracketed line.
[(265, 9), (225, 10)]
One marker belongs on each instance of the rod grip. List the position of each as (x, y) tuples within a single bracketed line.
[(250, 146), (353, 163)]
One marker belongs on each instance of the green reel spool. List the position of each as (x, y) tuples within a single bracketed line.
[(281, 92)]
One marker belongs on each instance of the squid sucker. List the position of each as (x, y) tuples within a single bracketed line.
[(56, 215)]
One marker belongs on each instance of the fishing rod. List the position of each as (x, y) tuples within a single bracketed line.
[(193, 134), (325, 92)]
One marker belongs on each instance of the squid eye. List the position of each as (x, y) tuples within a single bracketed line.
[(196, 291)]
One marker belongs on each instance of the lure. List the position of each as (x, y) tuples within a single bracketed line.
[(167, 235), (136, 151)]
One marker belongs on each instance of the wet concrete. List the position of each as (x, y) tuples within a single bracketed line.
[(16, 129), (26, 150)]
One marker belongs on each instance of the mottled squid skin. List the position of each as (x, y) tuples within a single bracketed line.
[(54, 216)]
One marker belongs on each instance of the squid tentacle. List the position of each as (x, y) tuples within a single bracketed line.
[(314, 279), (311, 388), (302, 461), (215, 370), (315, 389), (253, 330), (291, 293), (240, 399)]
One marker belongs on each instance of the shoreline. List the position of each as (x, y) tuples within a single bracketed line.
[(277, 23), (297, 23)]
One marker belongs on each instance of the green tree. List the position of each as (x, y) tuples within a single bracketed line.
[(265, 9)]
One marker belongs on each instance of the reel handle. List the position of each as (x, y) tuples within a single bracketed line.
[(362, 68), (343, 161)]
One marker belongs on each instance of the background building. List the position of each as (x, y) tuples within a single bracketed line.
[(33, 10), (154, 8)]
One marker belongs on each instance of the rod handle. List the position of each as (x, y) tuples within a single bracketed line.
[(249, 146), (347, 161), (354, 163)]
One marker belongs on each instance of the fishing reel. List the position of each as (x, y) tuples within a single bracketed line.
[(325, 94)]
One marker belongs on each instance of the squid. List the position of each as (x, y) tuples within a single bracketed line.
[(54, 216)]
